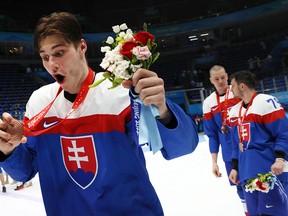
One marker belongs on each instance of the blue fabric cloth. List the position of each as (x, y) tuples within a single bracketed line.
[(147, 128)]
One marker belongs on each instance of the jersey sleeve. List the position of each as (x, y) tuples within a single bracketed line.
[(210, 128), (275, 121), (21, 164), (181, 140)]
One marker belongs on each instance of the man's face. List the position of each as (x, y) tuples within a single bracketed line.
[(235, 89), (220, 80), (64, 62)]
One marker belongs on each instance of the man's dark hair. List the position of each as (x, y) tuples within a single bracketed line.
[(63, 24), (245, 77)]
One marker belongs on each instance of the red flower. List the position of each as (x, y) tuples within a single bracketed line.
[(143, 37), (127, 49), (259, 184)]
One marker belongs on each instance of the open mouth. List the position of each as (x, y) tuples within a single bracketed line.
[(59, 78)]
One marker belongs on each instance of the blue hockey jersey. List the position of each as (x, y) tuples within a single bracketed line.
[(264, 131), (89, 163), (213, 122)]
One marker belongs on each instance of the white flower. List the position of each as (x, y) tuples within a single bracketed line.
[(116, 29), (129, 35), (105, 63), (122, 34), (111, 57), (105, 48), (135, 67), (120, 70), (129, 32), (123, 26), (110, 40)]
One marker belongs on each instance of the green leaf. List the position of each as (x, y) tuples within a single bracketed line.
[(145, 28), (134, 60), (145, 65), (118, 80), (149, 60), (155, 57), (114, 85), (153, 48), (149, 44), (97, 83), (106, 74), (126, 58)]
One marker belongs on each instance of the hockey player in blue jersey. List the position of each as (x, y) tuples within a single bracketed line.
[(81, 140), (260, 140), (215, 110)]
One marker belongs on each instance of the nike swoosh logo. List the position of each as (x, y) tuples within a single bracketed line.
[(214, 108), (269, 206), (47, 125), (233, 120)]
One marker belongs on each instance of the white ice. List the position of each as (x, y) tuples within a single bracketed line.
[(186, 187)]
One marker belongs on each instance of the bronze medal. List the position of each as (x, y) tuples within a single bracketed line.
[(224, 129), (15, 129), (241, 146)]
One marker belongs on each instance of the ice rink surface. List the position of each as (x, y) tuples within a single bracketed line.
[(186, 187)]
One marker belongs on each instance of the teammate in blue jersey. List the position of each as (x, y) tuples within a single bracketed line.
[(215, 110), (80, 140), (260, 140)]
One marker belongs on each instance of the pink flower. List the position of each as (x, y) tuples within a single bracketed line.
[(141, 53)]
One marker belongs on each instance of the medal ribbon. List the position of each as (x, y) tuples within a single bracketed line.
[(224, 107), (144, 120), (33, 122), (241, 118)]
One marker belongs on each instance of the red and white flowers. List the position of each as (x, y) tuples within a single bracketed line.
[(126, 53), (263, 183)]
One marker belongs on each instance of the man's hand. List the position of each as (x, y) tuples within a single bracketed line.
[(151, 91), (11, 133), (215, 170), (278, 166), (233, 176)]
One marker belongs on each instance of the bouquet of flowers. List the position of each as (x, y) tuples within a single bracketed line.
[(123, 56), (263, 183), (126, 53)]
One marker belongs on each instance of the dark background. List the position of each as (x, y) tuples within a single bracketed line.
[(95, 15)]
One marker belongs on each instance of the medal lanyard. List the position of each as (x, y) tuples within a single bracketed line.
[(241, 118), (224, 107), (33, 122)]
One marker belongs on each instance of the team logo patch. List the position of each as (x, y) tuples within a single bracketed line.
[(246, 132), (80, 159), (245, 136)]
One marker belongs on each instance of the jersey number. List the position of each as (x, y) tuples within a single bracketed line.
[(274, 101)]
